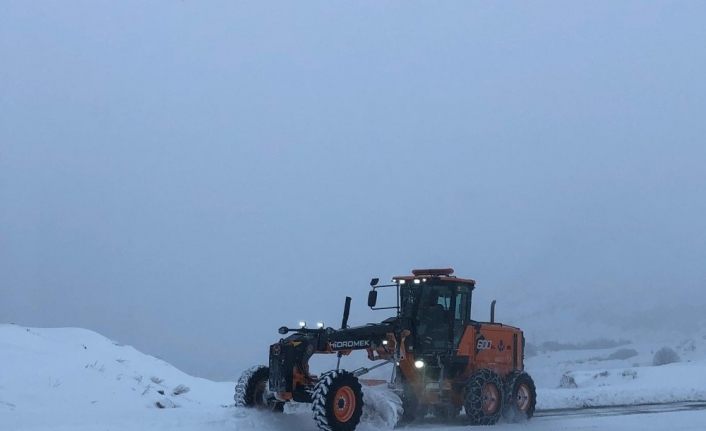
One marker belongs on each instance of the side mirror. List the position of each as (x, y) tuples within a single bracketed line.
[(374, 282), (372, 298)]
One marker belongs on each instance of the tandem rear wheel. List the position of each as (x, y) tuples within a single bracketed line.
[(521, 397), (484, 397)]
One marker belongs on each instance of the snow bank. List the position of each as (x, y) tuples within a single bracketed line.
[(663, 384), (69, 369), (598, 377)]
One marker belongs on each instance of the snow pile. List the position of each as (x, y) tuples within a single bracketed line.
[(382, 407), (71, 369), (665, 384), (74, 379)]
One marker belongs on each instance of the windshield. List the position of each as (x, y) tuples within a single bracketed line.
[(416, 299), (409, 298)]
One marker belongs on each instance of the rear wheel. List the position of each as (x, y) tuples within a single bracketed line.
[(521, 397), (337, 401), (484, 398), (251, 390)]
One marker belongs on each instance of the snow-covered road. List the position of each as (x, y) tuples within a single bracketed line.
[(231, 419), (685, 420), (624, 410), (652, 418), (674, 416)]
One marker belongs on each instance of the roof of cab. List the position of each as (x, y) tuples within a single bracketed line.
[(442, 274)]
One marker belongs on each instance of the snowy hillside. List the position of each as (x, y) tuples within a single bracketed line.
[(569, 377), (75, 379)]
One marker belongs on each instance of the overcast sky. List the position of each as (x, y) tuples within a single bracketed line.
[(187, 176)]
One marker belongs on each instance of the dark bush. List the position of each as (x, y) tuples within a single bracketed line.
[(664, 356), (567, 382)]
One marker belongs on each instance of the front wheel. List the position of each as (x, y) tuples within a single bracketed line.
[(251, 390), (521, 397), (484, 397), (337, 401)]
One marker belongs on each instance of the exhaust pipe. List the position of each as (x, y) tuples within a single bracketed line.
[(344, 325), (346, 312), (492, 311)]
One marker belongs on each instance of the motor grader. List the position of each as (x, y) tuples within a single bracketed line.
[(442, 359)]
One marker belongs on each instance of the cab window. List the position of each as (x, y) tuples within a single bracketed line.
[(461, 306)]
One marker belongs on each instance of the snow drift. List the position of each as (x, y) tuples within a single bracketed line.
[(69, 369)]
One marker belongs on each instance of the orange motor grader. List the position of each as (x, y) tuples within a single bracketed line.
[(442, 359)]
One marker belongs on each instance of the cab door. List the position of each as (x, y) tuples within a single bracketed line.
[(443, 314), (461, 313)]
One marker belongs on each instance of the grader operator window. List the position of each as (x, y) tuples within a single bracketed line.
[(461, 313), (442, 312), (409, 298)]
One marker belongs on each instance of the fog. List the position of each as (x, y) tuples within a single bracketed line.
[(186, 177)]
